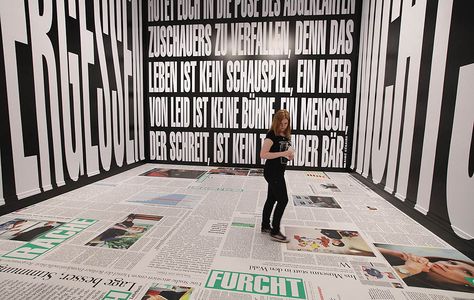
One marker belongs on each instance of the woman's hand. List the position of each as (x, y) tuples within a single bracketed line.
[(413, 265), (417, 266), (402, 255), (290, 153), (420, 261)]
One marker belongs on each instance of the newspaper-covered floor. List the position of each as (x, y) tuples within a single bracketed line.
[(189, 232)]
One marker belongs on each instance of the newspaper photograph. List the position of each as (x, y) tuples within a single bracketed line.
[(174, 173), (25, 229), (230, 171), (315, 201), (434, 268), (327, 241), (124, 234)]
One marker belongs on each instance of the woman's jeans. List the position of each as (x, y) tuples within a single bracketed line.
[(276, 193)]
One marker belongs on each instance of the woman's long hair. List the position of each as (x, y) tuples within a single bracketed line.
[(279, 116)]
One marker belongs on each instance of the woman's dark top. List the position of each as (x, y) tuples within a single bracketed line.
[(276, 167)]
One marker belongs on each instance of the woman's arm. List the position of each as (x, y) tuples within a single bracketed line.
[(394, 253), (266, 154), (292, 153), (413, 266)]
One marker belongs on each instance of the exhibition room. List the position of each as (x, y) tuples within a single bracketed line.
[(237, 149)]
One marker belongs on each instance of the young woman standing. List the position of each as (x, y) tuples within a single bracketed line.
[(277, 151)]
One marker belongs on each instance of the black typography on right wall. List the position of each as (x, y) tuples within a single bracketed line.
[(415, 109)]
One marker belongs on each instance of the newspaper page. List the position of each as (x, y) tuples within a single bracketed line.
[(193, 232)]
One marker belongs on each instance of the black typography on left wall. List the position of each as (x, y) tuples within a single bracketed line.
[(71, 99)]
